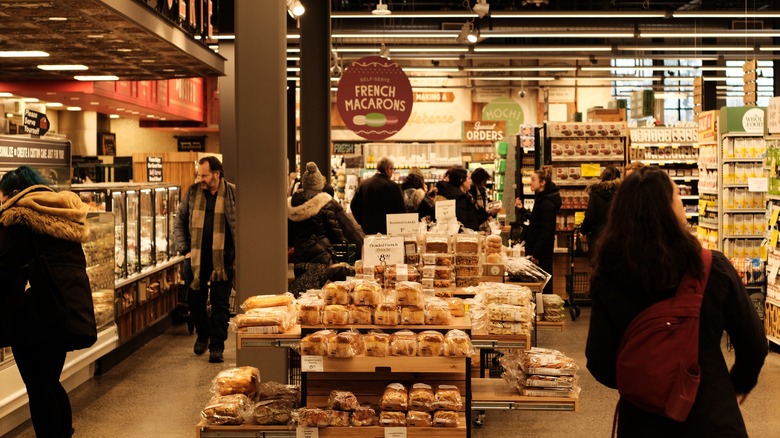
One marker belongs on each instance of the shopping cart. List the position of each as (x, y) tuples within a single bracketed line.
[(577, 283)]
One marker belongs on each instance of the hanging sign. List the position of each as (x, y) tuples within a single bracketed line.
[(35, 123), (375, 98), (491, 131)]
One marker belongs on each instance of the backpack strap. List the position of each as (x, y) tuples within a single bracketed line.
[(691, 284)]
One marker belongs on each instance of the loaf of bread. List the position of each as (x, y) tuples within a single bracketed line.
[(312, 417), (335, 314), (457, 306), (361, 315), (448, 398), (437, 312), (239, 380), (273, 390), (418, 419), (412, 315), (364, 416), (403, 343), (367, 293), (345, 344), (457, 344), (394, 398), (316, 344), (281, 318), (409, 293), (339, 418), (342, 400), (386, 314), (276, 411), (445, 419), (227, 409), (262, 301), (467, 245), (421, 397), (310, 311), (510, 313), (377, 344), (337, 292), (429, 343), (438, 244), (392, 419)]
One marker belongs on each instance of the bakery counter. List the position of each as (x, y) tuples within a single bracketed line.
[(496, 394), (458, 322), (290, 338), (205, 430)]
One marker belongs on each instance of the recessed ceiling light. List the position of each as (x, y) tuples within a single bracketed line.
[(74, 108), (113, 116), (94, 36), (135, 113), (149, 61), (74, 98), (58, 18), (96, 78), (163, 118), (94, 103), (22, 54), (30, 99), (169, 70), (120, 109), (51, 93), (62, 67), (5, 94), (124, 50), (54, 104), (151, 116)]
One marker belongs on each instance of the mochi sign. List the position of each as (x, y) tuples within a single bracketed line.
[(374, 98)]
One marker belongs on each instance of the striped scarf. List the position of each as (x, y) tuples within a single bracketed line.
[(196, 231)]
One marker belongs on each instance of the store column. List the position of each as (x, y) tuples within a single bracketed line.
[(261, 167)]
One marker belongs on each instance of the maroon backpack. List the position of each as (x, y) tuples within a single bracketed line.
[(658, 359)]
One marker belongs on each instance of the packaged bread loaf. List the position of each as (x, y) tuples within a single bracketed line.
[(394, 398), (337, 292), (316, 344), (509, 328), (276, 390), (429, 343), (457, 306), (421, 397), (227, 409), (548, 362), (386, 314), (345, 344), (409, 293), (312, 417), (335, 314), (367, 293), (457, 344), (280, 319), (508, 312), (361, 315), (392, 419), (262, 301), (342, 400), (448, 398), (403, 343), (437, 312), (398, 273), (310, 310), (239, 380), (338, 418), (377, 344), (418, 419), (506, 294), (445, 419), (364, 416), (412, 315), (467, 271), (276, 411), (437, 243)]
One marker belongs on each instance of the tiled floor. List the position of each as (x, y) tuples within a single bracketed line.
[(159, 391)]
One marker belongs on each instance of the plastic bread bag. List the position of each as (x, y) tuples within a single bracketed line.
[(421, 397), (403, 343), (239, 380), (394, 398), (227, 409), (437, 312), (335, 314), (376, 344), (510, 313), (457, 344), (392, 419), (337, 292), (263, 301), (342, 400), (523, 270), (316, 344), (338, 418), (273, 411), (548, 362), (310, 310), (409, 293), (550, 392), (509, 328), (266, 320), (364, 416), (387, 314), (478, 315), (275, 390), (418, 419), (366, 292), (540, 381), (446, 419), (401, 273), (429, 343), (498, 293), (311, 417), (346, 344), (412, 316), (448, 398)]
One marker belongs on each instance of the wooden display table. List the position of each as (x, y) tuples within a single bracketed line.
[(559, 326), (458, 322), (496, 394)]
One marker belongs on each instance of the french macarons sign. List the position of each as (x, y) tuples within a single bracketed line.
[(374, 98)]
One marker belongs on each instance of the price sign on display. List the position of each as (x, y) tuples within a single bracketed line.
[(772, 274), (395, 432), (445, 210), (758, 184), (402, 224), (312, 364), (307, 432), (383, 250)]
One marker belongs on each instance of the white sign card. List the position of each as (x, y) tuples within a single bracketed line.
[(402, 224), (772, 278), (445, 210), (758, 184), (307, 432), (312, 364), (383, 250), (395, 432)]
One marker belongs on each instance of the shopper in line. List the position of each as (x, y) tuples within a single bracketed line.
[(540, 236), (641, 256), (35, 218), (478, 193), (205, 230), (376, 197), (457, 188), (599, 197), (632, 166), (416, 197)]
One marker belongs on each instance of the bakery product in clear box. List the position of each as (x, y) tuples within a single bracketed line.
[(429, 343), (403, 343), (361, 315), (394, 398), (466, 244), (437, 243), (467, 281), (466, 260), (337, 292)]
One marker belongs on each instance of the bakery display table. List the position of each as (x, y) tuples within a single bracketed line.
[(496, 394), (548, 326)]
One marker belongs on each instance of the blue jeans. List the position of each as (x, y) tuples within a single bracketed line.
[(209, 327)]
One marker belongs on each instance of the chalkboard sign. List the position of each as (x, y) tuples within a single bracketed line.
[(154, 169), (344, 147), (192, 143)]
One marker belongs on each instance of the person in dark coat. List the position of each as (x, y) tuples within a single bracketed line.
[(599, 196), (34, 217), (416, 197), (478, 192), (540, 237), (377, 197), (641, 256), (316, 222), (459, 183)]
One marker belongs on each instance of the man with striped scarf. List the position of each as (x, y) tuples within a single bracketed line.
[(205, 235)]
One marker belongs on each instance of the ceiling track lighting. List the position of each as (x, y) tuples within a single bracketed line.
[(295, 8), (468, 34), (381, 9), (481, 8)]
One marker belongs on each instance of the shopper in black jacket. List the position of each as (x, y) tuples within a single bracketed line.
[(377, 197), (599, 197), (642, 254), (35, 218), (540, 237), (457, 188)]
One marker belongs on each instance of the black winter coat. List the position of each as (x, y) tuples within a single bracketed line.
[(600, 196), (465, 208), (417, 201), (374, 199), (726, 306), (315, 223), (540, 237)]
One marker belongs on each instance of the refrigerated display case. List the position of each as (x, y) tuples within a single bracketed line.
[(99, 252)]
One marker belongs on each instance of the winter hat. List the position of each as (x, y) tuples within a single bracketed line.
[(312, 179)]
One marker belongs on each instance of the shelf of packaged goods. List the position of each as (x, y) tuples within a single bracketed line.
[(743, 236), (745, 210), (685, 178), (587, 159), (639, 145), (496, 394), (458, 322), (669, 162), (708, 167), (286, 339), (743, 160), (481, 339), (773, 197), (708, 192)]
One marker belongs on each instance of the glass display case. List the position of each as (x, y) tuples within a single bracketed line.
[(99, 252), (173, 207), (146, 230)]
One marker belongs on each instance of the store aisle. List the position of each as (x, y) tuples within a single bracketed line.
[(159, 391)]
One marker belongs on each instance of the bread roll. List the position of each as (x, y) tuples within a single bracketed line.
[(421, 397), (429, 343), (377, 344), (412, 316), (394, 398), (364, 416), (262, 301), (337, 292), (448, 398), (335, 314), (361, 315), (403, 343), (316, 344), (445, 419), (418, 419)]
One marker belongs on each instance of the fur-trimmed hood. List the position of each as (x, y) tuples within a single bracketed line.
[(58, 214), (309, 208), (604, 186)]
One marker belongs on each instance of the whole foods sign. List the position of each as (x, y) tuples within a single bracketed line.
[(374, 98)]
